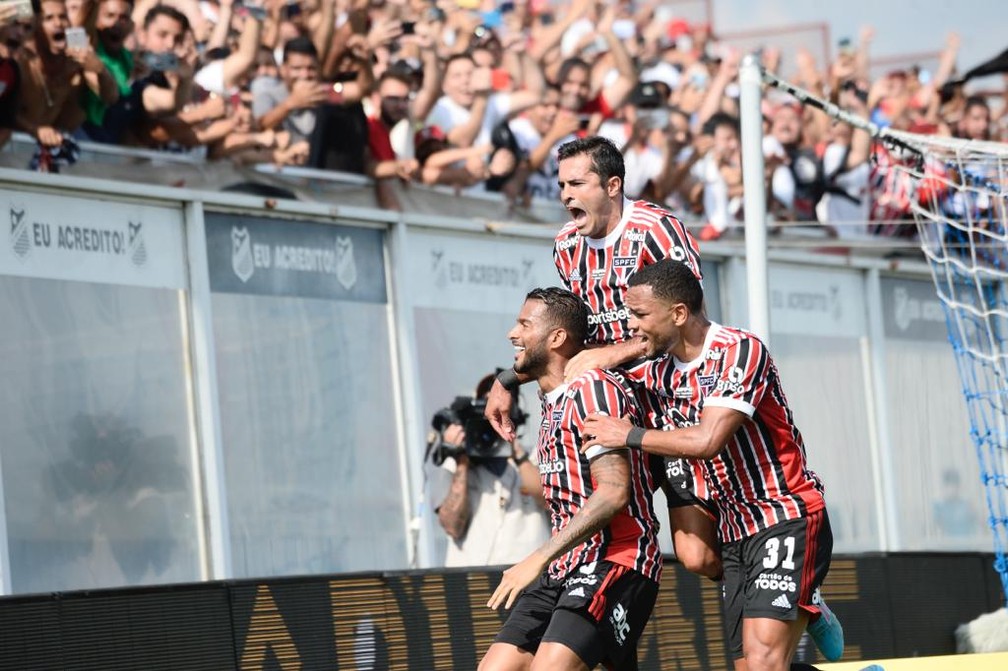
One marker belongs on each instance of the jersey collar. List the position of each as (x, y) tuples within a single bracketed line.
[(610, 240), (697, 362)]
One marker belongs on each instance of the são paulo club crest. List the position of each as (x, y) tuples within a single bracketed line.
[(241, 253), (137, 248), (19, 238), (346, 267)]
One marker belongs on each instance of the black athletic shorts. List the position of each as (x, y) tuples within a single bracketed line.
[(599, 611), (775, 572), (677, 483)]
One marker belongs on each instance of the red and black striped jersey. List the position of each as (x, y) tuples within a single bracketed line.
[(597, 269), (631, 537), (761, 477)]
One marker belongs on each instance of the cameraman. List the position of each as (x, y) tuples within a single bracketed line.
[(493, 512)]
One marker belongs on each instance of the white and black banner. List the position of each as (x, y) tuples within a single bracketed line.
[(912, 310), (90, 240), (819, 302), (272, 257), (476, 273)]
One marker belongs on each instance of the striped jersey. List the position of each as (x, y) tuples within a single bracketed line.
[(760, 478), (597, 269), (631, 537)]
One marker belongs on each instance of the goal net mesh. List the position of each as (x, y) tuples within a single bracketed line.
[(958, 200)]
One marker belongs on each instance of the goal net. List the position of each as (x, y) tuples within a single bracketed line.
[(956, 191), (958, 200)]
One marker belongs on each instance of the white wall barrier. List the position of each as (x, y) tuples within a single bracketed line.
[(200, 385)]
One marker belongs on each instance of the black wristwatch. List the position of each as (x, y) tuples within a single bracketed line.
[(522, 459)]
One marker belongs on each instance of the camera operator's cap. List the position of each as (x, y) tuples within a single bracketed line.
[(646, 96)]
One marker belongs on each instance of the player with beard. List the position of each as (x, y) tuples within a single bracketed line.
[(53, 77), (593, 585), (726, 409)]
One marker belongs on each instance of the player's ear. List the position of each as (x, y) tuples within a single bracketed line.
[(614, 186), (680, 313)]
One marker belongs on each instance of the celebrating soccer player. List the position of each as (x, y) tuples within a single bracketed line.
[(725, 407), (594, 583)]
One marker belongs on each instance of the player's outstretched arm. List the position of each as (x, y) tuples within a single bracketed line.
[(611, 474), (703, 441), (606, 356)]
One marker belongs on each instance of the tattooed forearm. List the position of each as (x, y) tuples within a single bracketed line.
[(611, 473), (453, 513)]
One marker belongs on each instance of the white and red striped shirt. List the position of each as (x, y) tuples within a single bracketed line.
[(631, 537), (597, 270), (761, 477)]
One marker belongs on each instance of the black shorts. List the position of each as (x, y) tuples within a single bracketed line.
[(775, 573), (677, 483), (599, 611)]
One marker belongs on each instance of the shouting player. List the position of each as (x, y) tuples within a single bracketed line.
[(726, 409), (609, 238)]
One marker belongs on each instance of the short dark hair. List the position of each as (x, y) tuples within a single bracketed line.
[(299, 45), (719, 119), (606, 158), (564, 310), (569, 64), (671, 281), (975, 101), (170, 12)]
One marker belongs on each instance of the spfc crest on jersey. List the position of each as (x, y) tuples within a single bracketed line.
[(624, 265), (241, 253)]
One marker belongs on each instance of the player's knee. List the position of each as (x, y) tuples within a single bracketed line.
[(762, 657), (699, 558)]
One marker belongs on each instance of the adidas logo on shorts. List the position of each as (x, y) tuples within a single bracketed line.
[(579, 591), (781, 602)]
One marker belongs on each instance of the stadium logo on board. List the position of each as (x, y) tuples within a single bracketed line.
[(137, 248), (241, 253), (19, 238), (346, 267)]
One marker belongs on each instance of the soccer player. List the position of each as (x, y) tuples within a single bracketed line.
[(725, 406), (593, 585), (609, 238)]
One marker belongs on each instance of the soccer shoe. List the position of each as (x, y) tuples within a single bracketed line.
[(827, 633)]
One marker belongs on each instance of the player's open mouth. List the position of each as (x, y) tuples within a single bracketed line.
[(578, 215)]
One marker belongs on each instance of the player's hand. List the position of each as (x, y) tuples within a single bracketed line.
[(586, 360), (515, 579), (498, 411), (605, 431)]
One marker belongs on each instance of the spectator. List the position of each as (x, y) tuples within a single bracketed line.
[(844, 205), (640, 137), (975, 123), (469, 109), (10, 75), (54, 76), (391, 102), (290, 103), (716, 175), (112, 26), (539, 133), (796, 182)]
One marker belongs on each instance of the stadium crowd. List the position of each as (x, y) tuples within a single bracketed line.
[(475, 94)]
